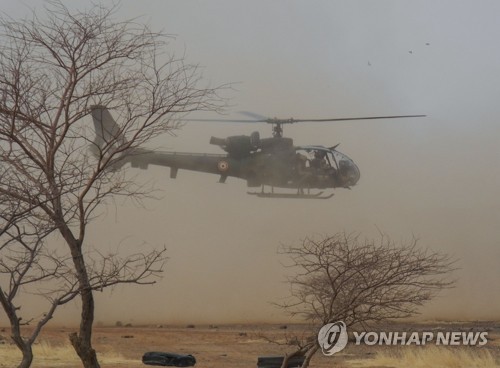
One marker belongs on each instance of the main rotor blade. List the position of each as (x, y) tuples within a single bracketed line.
[(360, 118), (292, 120), (226, 120), (253, 115)]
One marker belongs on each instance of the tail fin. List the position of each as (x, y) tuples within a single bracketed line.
[(107, 132)]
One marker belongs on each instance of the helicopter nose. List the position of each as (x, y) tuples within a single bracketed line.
[(354, 175), (349, 172)]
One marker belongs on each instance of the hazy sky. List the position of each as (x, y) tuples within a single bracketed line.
[(436, 177)]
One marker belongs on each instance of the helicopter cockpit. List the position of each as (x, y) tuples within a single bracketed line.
[(348, 171), (332, 162)]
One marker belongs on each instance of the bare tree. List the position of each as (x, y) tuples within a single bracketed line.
[(53, 70), (358, 281), (27, 267)]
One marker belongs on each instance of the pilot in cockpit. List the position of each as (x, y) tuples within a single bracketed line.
[(319, 160)]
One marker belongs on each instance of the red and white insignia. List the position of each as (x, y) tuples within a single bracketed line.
[(223, 166)]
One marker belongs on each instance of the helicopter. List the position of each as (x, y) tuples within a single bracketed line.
[(274, 161)]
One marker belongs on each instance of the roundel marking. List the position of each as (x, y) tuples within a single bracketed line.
[(223, 166)]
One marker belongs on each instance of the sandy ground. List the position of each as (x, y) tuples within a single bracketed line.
[(224, 346)]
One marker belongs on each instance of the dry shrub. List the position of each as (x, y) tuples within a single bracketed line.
[(431, 357), (49, 355)]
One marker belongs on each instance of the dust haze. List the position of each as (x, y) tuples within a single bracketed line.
[(436, 177)]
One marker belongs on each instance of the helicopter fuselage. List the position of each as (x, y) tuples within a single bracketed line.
[(302, 167)]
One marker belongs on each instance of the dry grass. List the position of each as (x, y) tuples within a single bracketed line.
[(48, 355), (238, 346), (431, 357)]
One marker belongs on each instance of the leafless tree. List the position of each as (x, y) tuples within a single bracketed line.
[(53, 69), (346, 278), (26, 266)]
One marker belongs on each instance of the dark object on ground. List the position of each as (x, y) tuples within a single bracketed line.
[(168, 359), (276, 361)]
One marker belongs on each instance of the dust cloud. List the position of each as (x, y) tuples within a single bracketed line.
[(436, 177)]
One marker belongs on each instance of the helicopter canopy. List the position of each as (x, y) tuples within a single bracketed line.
[(331, 158)]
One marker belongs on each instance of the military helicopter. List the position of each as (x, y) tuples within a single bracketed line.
[(273, 161)]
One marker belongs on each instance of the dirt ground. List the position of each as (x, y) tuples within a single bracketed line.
[(223, 346)]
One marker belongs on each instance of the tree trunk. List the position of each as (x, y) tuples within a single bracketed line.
[(82, 342), (287, 357), (27, 356), (85, 351), (25, 346), (309, 356)]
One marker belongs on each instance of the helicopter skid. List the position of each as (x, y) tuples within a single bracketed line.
[(291, 195)]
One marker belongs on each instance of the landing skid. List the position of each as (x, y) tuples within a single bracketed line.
[(299, 195)]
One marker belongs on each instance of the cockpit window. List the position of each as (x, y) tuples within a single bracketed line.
[(347, 169), (329, 161), (317, 157)]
